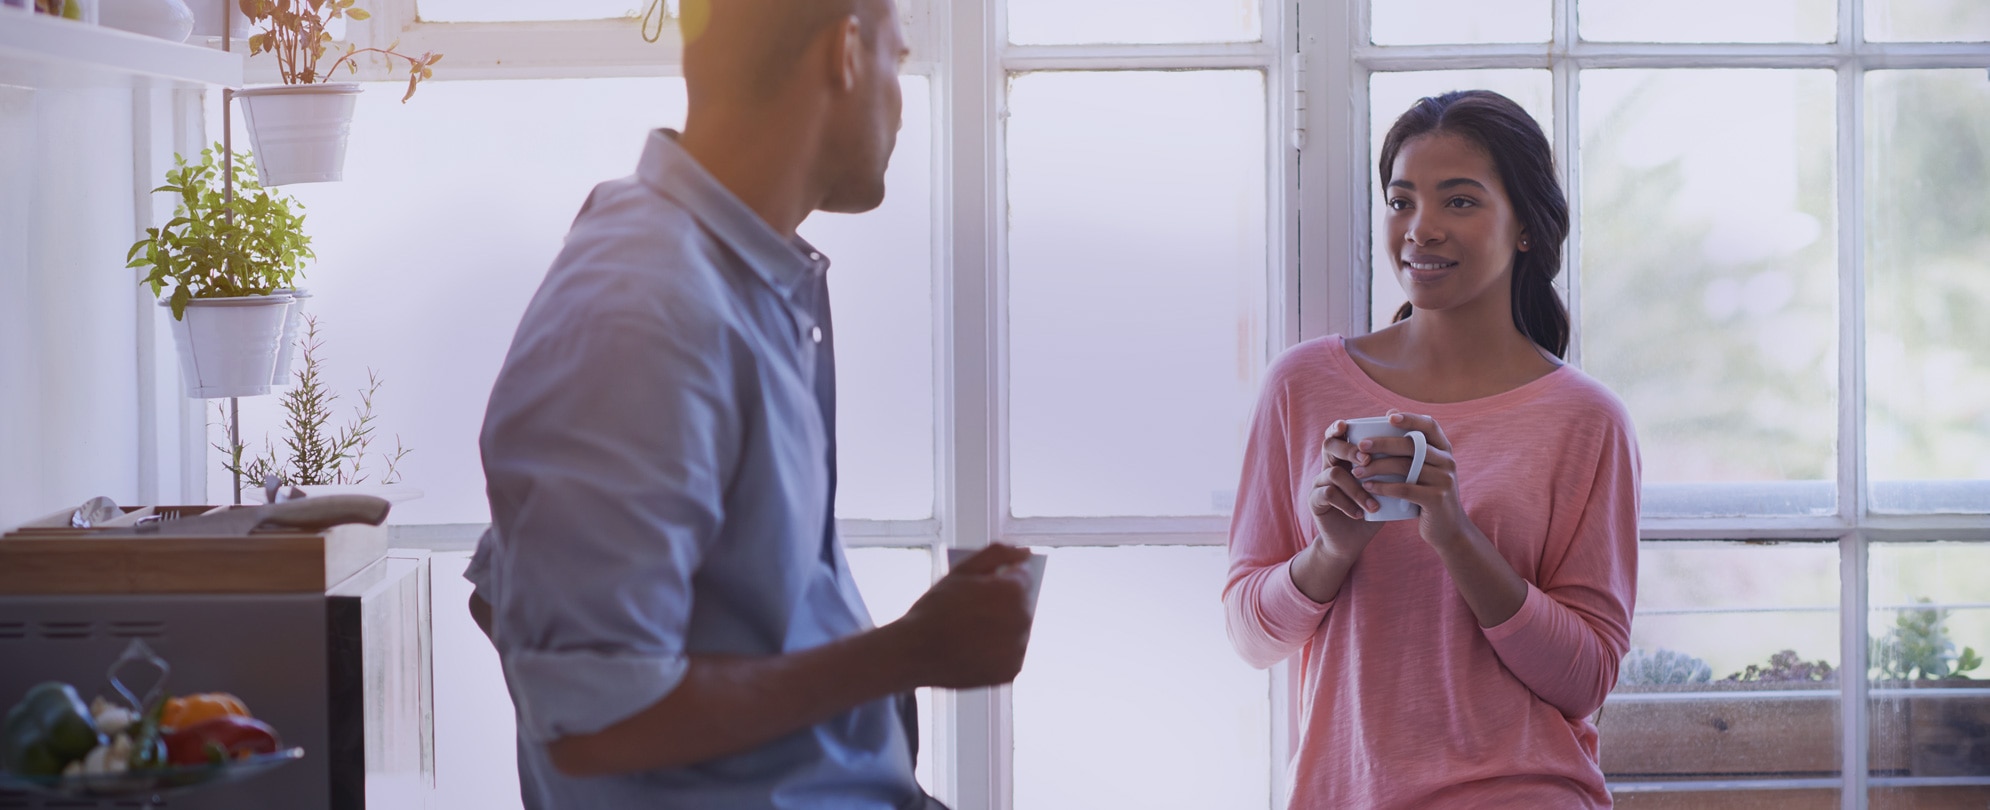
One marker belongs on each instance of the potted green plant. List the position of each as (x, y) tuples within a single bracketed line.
[(300, 127), (1924, 695), (219, 267)]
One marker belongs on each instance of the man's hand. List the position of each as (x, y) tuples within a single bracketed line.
[(973, 627)]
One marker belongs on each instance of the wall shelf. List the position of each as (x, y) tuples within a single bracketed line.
[(40, 52)]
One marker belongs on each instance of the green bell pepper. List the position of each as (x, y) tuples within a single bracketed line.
[(50, 728)]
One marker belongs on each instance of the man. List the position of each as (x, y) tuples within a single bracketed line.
[(662, 577)]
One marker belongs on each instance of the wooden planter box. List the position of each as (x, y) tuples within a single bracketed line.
[(1732, 731)]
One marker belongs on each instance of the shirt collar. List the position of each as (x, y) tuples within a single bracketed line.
[(787, 265)]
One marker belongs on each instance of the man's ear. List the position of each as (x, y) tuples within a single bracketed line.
[(849, 52)]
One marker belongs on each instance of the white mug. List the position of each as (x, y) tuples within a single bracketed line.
[(1033, 566), (1378, 427)]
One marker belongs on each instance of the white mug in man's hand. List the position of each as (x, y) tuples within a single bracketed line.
[(1378, 427)]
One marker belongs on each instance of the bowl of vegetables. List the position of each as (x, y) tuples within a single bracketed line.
[(53, 743)]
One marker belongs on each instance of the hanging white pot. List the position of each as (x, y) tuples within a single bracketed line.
[(209, 14), (170, 20), (293, 328), (300, 130), (228, 346)]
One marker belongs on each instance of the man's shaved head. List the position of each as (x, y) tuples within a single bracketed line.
[(751, 47)]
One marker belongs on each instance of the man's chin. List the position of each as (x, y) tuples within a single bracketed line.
[(854, 200)]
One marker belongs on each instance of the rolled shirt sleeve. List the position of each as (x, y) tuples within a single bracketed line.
[(607, 448)]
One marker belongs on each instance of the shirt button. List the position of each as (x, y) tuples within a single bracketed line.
[(815, 257), (815, 334)]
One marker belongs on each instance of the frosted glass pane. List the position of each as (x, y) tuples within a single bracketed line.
[(1709, 21), (891, 579), (528, 10), (1390, 95), (1930, 626), (881, 284), (1686, 703), (1928, 20), (1709, 269), (1132, 696), (1927, 368), (1137, 266), (1077, 22), (1448, 22), (455, 205)]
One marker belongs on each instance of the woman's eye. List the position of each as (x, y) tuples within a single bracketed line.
[(1398, 204), (1462, 202)]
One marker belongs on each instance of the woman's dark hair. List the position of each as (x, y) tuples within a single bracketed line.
[(1526, 165)]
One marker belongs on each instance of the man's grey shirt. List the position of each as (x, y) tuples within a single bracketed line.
[(660, 455)]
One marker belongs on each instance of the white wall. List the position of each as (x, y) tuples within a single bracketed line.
[(73, 369)]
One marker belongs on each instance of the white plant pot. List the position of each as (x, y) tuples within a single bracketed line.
[(293, 330), (170, 20), (208, 18), (227, 346), (300, 131)]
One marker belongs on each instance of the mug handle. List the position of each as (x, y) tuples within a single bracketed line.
[(1416, 461)]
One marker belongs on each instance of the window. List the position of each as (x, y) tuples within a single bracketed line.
[(1767, 264), (1107, 216)]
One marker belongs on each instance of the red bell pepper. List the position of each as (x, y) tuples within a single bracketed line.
[(219, 740)]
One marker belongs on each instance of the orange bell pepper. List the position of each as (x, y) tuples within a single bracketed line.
[(190, 710)]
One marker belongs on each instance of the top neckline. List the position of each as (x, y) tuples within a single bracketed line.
[(1337, 350)]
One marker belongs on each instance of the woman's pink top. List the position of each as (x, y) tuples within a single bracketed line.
[(1402, 700)]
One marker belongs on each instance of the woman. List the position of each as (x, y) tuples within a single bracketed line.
[(1453, 660)]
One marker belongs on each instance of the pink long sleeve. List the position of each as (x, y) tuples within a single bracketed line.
[(1401, 699), (1267, 617), (1570, 635)]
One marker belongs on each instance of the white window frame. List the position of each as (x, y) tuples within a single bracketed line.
[(1317, 62), (1339, 186)]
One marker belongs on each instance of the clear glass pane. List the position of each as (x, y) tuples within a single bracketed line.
[(427, 257), (1930, 626), (1389, 96), (1927, 368), (530, 10), (891, 579), (1462, 22), (1928, 20), (1733, 667), (1137, 293), (1132, 696), (1082, 22), (881, 284), (1709, 278), (1709, 21)]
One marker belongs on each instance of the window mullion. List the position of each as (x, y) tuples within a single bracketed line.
[(1334, 259), (972, 725), (1854, 556), (1567, 139)]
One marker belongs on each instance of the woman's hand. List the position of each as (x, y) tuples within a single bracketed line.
[(1338, 502), (1443, 521)]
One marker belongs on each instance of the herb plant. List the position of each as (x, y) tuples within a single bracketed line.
[(216, 248), (1662, 668), (1918, 648), (314, 453), (1786, 667), (294, 30)]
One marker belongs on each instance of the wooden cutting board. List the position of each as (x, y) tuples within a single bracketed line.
[(43, 560)]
